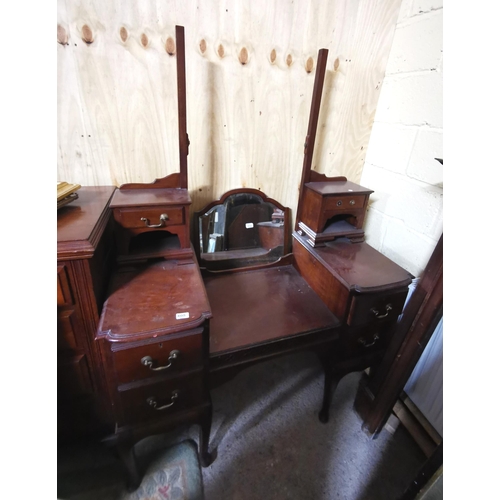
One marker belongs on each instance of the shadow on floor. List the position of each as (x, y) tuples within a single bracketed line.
[(269, 444)]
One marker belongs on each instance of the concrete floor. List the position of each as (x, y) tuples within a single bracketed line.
[(270, 444)]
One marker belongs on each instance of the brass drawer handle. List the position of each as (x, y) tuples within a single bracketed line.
[(388, 308), (148, 361), (362, 341), (163, 218), (152, 401)]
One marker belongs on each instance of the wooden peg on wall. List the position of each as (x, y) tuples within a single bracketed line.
[(309, 64), (170, 46), (144, 40), (289, 60), (203, 46), (243, 57), (220, 50), (123, 34), (62, 36), (273, 56), (87, 35), (336, 64)]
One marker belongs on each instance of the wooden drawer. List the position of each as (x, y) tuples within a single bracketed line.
[(160, 399), (159, 359), (374, 308), (360, 341), (343, 202), (131, 218)]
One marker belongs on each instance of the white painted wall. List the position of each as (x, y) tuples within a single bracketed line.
[(405, 215)]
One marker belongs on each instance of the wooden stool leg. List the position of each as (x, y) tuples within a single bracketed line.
[(205, 426), (127, 456)]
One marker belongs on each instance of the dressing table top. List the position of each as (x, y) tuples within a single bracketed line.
[(337, 187), (81, 223), (262, 305), (151, 300), (152, 196), (358, 265)]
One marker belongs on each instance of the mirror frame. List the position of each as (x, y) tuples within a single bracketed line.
[(265, 199)]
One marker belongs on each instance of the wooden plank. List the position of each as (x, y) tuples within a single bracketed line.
[(420, 417), (412, 425), (250, 68)]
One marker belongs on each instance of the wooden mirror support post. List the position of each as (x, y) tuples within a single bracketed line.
[(362, 287), (153, 219), (329, 207)]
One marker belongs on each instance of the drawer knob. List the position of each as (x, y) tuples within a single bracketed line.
[(377, 314), (352, 202), (148, 361), (163, 218), (362, 341), (152, 401), (339, 203)]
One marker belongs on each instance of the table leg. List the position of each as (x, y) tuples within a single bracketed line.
[(205, 426)]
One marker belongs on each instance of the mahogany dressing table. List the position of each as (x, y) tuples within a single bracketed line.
[(172, 327)]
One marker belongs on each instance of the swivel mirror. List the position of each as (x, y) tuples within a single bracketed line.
[(244, 227)]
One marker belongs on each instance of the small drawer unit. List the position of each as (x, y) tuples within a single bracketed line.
[(151, 223), (359, 285), (333, 209), (153, 337)]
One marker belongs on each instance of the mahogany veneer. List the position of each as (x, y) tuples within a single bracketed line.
[(259, 306), (152, 222), (84, 257), (168, 333), (154, 341), (366, 290)]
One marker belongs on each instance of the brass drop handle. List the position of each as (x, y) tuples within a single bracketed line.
[(152, 401), (388, 308), (148, 361), (163, 218), (362, 341)]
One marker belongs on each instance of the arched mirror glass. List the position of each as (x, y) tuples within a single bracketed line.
[(244, 227)]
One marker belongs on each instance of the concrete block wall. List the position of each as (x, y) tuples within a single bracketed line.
[(405, 214)]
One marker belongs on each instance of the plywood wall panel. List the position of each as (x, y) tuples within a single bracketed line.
[(249, 88)]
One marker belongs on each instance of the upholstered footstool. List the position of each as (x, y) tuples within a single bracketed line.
[(174, 474)]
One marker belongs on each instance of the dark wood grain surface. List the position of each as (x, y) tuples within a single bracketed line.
[(358, 265), (151, 196), (81, 223), (258, 306), (338, 187), (145, 300), (84, 256)]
